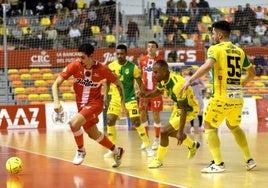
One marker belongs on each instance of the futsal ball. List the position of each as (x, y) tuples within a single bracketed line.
[(14, 165)]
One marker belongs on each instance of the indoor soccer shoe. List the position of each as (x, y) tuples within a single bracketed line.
[(251, 164), (213, 168), (155, 163), (150, 152), (192, 150), (155, 144), (118, 157), (79, 157), (143, 146), (109, 154)]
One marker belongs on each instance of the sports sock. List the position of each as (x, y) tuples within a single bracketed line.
[(105, 142), (214, 145), (111, 131), (241, 140), (142, 133), (79, 138), (188, 142), (161, 152)]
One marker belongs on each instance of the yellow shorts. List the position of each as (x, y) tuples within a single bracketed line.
[(175, 116), (115, 108), (218, 110)]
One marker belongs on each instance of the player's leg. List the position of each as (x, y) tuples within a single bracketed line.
[(240, 136)]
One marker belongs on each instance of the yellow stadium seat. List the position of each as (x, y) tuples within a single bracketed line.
[(33, 97), (45, 97), (80, 4), (206, 20), (45, 21), (26, 30), (259, 84), (95, 30), (3, 32), (19, 90), (48, 76), (157, 29), (40, 83), (110, 38), (12, 71), (224, 10), (185, 19), (68, 96), (25, 76), (164, 18), (264, 77), (34, 70)]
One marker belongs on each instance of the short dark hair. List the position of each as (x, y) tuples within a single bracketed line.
[(161, 63), (86, 48), (153, 42), (222, 25), (122, 47)]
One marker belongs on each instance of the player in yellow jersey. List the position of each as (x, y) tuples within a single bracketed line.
[(227, 62), (185, 109), (128, 73)]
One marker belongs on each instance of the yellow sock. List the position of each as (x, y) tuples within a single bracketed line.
[(142, 133), (241, 140), (161, 152), (214, 145), (111, 131), (188, 142)]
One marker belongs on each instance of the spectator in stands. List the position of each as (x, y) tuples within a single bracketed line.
[(179, 40), (75, 36), (62, 25), (172, 56), (51, 37), (153, 15), (40, 8), (207, 42), (87, 35), (235, 37), (170, 11), (50, 8), (110, 3), (204, 8), (15, 7), (16, 35), (133, 33), (170, 27), (31, 5), (249, 15), (259, 13), (246, 39), (58, 5), (260, 29), (239, 18), (191, 26), (259, 64), (264, 39), (95, 3), (107, 23), (92, 15), (182, 8), (189, 42), (193, 8), (72, 5)]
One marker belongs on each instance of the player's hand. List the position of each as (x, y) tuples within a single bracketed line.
[(180, 137), (58, 108), (184, 88)]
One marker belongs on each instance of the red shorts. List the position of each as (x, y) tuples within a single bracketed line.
[(153, 104), (91, 112)]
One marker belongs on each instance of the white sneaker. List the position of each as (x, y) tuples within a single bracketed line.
[(143, 146), (213, 168), (250, 164), (155, 144), (117, 157), (79, 156), (109, 154), (150, 152)]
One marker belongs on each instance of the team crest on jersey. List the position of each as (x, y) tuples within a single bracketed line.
[(127, 71)]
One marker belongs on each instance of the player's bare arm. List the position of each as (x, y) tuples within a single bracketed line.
[(55, 94), (250, 74), (153, 94)]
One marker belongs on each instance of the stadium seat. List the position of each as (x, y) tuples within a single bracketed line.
[(30, 89), (206, 20), (33, 97), (157, 29), (68, 96), (36, 76), (22, 97), (12, 71), (34, 70), (25, 76), (26, 30), (17, 83), (224, 10), (23, 22), (185, 19), (19, 90), (49, 82), (6, 31), (45, 21), (14, 77), (42, 89), (164, 18), (64, 89), (48, 76), (39, 83), (45, 70), (95, 30), (110, 38), (80, 4), (45, 97), (24, 70)]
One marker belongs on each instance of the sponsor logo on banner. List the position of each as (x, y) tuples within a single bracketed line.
[(40, 60), (22, 117), (184, 55)]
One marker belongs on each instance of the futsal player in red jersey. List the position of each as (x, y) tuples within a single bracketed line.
[(155, 105), (88, 77)]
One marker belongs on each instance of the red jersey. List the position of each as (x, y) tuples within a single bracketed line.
[(146, 66), (87, 83)]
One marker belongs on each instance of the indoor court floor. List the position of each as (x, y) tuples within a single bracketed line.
[(47, 156)]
